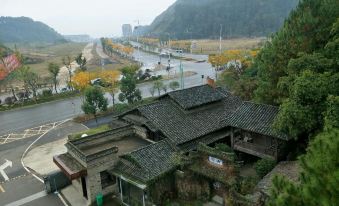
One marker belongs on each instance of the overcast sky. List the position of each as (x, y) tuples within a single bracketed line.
[(94, 17)]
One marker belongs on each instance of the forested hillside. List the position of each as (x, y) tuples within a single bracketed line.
[(240, 18), (298, 69), (26, 30)]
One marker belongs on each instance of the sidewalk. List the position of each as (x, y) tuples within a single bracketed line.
[(40, 159)]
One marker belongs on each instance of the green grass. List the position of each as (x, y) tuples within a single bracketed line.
[(102, 128)]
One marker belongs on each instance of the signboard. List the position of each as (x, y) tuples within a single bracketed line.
[(8, 65), (215, 160)]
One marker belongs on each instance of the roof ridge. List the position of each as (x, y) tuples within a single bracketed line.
[(144, 147), (255, 103)]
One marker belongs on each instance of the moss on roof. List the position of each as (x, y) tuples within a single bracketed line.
[(196, 96), (181, 126), (147, 163), (258, 118)]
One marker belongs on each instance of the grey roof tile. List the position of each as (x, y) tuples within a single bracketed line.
[(148, 162), (181, 126), (257, 118)]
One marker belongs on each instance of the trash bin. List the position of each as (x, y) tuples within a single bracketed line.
[(100, 200)]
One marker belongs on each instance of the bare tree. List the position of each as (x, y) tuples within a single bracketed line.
[(67, 61), (54, 69)]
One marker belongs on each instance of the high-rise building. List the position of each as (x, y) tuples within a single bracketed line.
[(126, 30)]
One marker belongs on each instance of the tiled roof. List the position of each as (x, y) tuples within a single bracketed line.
[(289, 170), (147, 163), (257, 118), (195, 96), (181, 126)]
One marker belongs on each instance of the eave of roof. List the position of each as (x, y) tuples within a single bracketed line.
[(258, 118)]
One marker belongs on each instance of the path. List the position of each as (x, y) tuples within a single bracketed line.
[(63, 76)]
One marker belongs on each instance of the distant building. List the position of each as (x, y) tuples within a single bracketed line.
[(126, 30)]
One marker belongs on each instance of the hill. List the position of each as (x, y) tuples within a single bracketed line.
[(240, 18), (26, 30)]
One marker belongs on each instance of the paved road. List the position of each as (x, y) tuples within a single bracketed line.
[(22, 186), (21, 119)]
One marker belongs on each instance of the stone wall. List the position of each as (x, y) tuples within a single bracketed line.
[(162, 189), (140, 131), (93, 179)]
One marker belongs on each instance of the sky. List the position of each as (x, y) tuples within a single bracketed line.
[(97, 18)]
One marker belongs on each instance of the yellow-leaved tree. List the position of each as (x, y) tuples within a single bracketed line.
[(112, 79), (82, 80), (237, 75)]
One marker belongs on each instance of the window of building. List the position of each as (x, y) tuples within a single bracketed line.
[(107, 179)]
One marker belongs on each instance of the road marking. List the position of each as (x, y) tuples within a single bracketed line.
[(2, 189), (28, 199), (3, 167), (56, 124), (29, 132), (62, 199)]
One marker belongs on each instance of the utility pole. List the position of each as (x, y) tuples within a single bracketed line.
[(220, 50), (169, 51), (137, 33), (220, 39), (182, 83)]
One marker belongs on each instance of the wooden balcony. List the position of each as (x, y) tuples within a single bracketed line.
[(256, 150)]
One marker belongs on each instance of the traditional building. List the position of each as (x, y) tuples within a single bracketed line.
[(252, 131), (138, 159)]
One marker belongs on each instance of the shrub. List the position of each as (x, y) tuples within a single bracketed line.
[(22, 95), (223, 147), (247, 185), (47, 93), (264, 166), (9, 101)]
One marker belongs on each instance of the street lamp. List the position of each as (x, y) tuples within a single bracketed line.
[(181, 68)]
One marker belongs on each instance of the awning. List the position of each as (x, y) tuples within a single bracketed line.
[(70, 166)]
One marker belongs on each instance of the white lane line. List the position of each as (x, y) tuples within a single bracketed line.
[(37, 139), (1, 189), (62, 199), (6, 139), (28, 199)]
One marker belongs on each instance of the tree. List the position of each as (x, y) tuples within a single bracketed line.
[(319, 168), (174, 85), (151, 91), (164, 88), (54, 70), (81, 80), (94, 101), (10, 80), (30, 80), (158, 85), (4, 68), (308, 29), (112, 78), (81, 61), (67, 61), (319, 177), (128, 88)]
